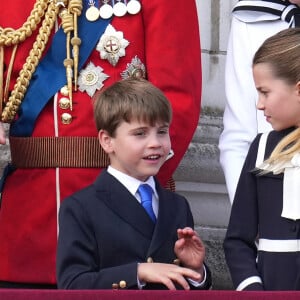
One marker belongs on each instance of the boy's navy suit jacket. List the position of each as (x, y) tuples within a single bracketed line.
[(104, 232)]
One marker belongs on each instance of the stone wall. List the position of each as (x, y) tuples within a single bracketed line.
[(200, 179), (4, 151)]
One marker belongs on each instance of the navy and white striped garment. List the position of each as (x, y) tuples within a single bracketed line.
[(251, 11)]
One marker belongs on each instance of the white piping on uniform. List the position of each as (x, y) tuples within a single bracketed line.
[(248, 281), (57, 187)]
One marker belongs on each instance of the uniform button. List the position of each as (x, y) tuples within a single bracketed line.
[(115, 286), (122, 284), (149, 260), (66, 118), (176, 261), (64, 103), (64, 91)]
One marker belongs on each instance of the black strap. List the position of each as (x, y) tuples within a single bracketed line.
[(257, 11)]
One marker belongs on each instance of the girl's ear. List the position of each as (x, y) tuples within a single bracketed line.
[(298, 88), (105, 141)]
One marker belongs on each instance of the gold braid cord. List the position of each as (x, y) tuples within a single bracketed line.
[(10, 37)]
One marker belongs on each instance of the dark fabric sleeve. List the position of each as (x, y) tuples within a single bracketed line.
[(77, 254)]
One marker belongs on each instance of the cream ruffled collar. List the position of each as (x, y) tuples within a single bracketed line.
[(291, 180)]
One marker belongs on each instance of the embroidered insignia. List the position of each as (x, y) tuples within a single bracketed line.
[(135, 69), (91, 79), (112, 45)]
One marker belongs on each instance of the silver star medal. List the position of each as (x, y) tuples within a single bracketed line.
[(135, 69), (112, 45), (91, 79)]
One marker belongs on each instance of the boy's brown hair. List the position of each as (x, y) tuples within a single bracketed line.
[(128, 100)]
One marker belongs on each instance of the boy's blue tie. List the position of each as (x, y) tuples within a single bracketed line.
[(145, 192)]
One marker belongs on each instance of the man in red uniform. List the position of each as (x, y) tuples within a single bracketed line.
[(52, 134)]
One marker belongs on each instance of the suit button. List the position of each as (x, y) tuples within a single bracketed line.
[(64, 103), (122, 284), (149, 260), (115, 286), (176, 261), (66, 118)]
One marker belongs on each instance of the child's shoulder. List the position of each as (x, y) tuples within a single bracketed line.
[(79, 196), (273, 136), (265, 143), (175, 196)]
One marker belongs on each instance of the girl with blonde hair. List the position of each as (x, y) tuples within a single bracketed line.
[(266, 207)]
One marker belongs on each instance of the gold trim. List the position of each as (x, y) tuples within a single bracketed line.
[(9, 37)]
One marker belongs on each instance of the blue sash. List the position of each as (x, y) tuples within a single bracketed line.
[(50, 74)]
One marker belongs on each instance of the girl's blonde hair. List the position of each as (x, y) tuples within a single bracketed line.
[(282, 52)]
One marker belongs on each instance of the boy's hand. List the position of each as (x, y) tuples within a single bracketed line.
[(166, 274), (189, 249)]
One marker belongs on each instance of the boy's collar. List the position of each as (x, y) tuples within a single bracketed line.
[(130, 182)]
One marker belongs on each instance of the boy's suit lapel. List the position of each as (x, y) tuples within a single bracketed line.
[(125, 205), (166, 221)]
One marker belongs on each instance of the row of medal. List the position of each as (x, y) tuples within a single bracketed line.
[(106, 11)]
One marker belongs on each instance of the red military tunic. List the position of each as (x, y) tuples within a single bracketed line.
[(165, 37)]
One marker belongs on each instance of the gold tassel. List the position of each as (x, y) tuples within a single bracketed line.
[(75, 9)]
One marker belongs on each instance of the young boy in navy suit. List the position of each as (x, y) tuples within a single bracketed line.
[(107, 239)]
